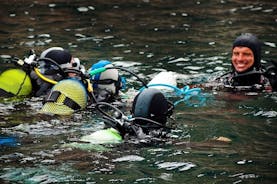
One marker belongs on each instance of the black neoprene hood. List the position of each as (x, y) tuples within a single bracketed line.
[(252, 42), (60, 56)]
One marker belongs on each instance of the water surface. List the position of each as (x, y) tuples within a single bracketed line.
[(191, 38)]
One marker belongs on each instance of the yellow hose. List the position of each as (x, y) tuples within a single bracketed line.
[(44, 78), (90, 89)]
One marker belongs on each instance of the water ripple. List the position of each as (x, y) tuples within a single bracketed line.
[(129, 158), (181, 166)]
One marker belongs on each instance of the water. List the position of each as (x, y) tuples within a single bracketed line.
[(192, 39)]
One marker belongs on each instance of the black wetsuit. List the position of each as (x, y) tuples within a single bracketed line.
[(249, 81)]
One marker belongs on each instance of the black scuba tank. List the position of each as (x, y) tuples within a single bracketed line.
[(151, 104)]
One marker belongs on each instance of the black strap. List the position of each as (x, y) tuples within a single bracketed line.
[(5, 94), (117, 83), (70, 103), (104, 81), (54, 95)]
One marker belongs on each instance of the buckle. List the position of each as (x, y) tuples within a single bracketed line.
[(53, 96)]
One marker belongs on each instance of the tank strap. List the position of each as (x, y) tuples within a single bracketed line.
[(6, 94), (54, 95)]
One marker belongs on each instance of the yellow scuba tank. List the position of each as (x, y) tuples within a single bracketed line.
[(66, 97), (15, 82)]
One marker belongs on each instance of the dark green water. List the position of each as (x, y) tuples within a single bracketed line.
[(191, 38)]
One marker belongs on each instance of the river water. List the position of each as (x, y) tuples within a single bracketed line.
[(192, 39)]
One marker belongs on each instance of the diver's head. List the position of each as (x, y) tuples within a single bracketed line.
[(66, 97), (15, 82), (151, 104), (61, 57), (246, 53), (109, 80)]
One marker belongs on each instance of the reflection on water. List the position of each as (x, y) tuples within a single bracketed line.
[(192, 39)]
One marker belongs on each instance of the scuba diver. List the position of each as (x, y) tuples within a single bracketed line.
[(247, 73), (66, 97), (148, 118), (55, 75), (35, 76), (55, 64), (106, 84)]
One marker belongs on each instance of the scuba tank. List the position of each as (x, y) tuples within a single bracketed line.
[(15, 82), (66, 97), (151, 104)]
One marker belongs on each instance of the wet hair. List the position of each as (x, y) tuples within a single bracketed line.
[(252, 42)]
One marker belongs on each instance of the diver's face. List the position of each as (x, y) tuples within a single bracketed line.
[(242, 58)]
